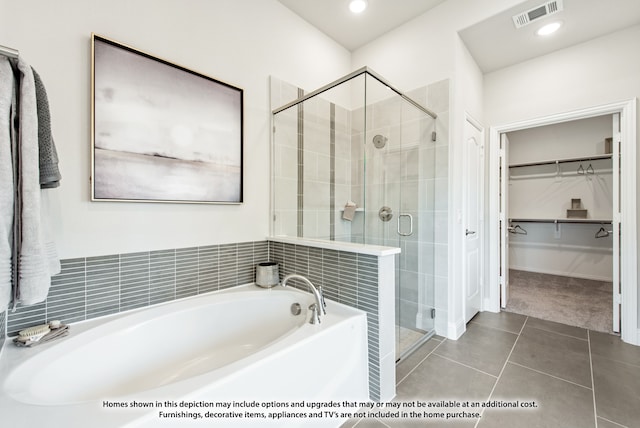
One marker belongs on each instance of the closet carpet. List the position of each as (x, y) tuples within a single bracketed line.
[(572, 301)]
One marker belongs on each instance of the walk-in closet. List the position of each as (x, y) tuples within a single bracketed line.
[(560, 198)]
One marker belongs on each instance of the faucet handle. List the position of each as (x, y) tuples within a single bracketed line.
[(315, 316), (324, 304)]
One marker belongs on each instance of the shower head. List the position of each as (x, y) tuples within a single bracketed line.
[(379, 141)]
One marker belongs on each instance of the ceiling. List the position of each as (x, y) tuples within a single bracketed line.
[(494, 43), (333, 17)]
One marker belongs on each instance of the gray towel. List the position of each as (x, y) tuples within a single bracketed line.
[(6, 182), (34, 274), (48, 156)]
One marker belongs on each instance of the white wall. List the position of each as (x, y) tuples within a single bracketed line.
[(601, 71), (239, 42)]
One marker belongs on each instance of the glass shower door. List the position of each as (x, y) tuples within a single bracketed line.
[(399, 180)]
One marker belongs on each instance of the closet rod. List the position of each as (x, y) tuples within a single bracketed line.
[(551, 162), (9, 52), (559, 220)]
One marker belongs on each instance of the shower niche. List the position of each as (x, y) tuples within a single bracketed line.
[(355, 161)]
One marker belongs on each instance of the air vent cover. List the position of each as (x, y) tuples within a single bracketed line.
[(548, 8)]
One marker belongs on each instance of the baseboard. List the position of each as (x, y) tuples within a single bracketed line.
[(560, 273), (456, 329)]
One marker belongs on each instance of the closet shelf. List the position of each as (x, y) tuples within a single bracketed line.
[(560, 220), (552, 162)]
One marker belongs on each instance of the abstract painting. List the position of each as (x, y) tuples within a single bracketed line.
[(162, 132)]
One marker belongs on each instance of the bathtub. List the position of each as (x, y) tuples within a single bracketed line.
[(167, 364)]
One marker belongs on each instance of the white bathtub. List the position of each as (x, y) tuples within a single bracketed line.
[(238, 345)]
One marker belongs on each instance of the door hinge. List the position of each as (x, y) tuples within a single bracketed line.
[(617, 299)]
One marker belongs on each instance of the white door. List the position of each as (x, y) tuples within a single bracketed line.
[(473, 223), (504, 221), (615, 153)]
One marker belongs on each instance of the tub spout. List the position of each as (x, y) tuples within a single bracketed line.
[(319, 305)]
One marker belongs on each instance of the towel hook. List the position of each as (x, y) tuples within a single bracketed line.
[(590, 169), (580, 169)]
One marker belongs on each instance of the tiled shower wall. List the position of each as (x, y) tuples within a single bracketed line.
[(96, 286), (312, 166)]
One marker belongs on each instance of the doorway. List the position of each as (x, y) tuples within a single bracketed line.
[(560, 242), (623, 181)]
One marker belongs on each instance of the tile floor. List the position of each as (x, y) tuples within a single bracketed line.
[(577, 378)]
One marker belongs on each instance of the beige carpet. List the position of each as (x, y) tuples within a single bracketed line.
[(572, 301)]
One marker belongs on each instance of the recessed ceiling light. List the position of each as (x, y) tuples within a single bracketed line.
[(549, 28), (357, 6)]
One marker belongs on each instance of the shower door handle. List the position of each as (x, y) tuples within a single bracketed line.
[(410, 224)]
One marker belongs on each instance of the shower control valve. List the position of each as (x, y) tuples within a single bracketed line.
[(385, 213)]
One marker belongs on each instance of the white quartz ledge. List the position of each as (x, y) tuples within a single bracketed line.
[(372, 250)]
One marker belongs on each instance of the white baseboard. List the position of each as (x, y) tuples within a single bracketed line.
[(491, 305), (637, 338), (456, 329)]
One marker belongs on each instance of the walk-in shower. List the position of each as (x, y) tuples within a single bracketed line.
[(355, 161)]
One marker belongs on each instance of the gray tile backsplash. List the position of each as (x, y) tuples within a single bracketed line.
[(3, 327), (96, 286)]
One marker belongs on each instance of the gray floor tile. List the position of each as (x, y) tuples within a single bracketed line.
[(417, 422), (405, 367), (617, 391), (506, 321), (363, 423), (550, 364), (603, 423), (560, 403), (611, 347), (349, 423), (480, 347), (555, 354), (555, 327), (437, 378)]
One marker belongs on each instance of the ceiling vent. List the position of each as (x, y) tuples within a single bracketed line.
[(548, 8)]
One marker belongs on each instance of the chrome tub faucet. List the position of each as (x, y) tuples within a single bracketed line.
[(316, 308)]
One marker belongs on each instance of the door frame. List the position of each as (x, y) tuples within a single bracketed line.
[(630, 332)]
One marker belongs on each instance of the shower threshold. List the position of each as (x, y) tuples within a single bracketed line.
[(405, 353)]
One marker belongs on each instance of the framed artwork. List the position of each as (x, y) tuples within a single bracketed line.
[(162, 132)]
